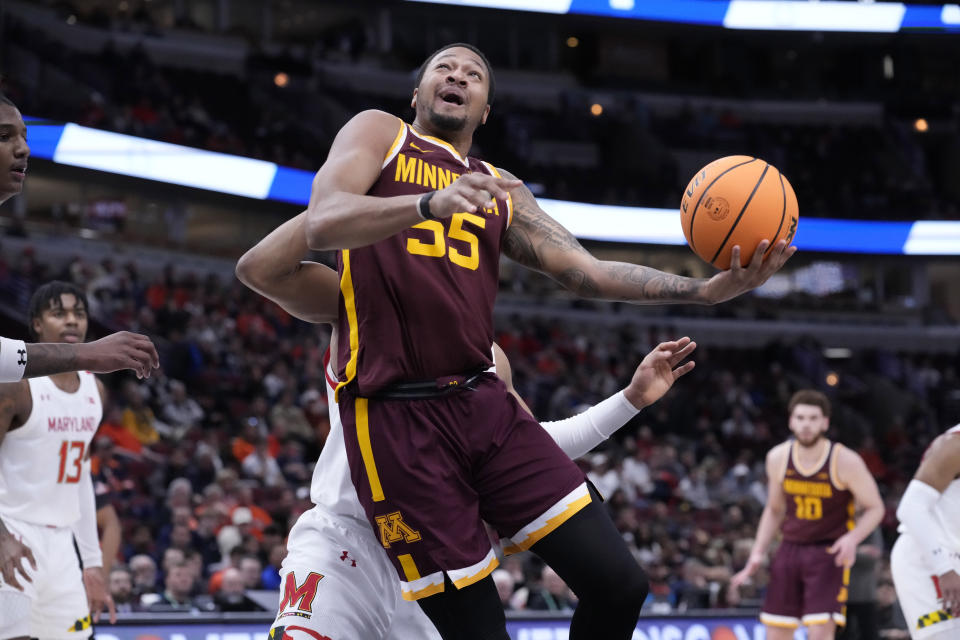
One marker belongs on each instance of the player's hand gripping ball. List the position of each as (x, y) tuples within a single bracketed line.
[(737, 200)]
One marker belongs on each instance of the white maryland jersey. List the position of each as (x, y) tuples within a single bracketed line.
[(947, 508), (42, 461), (331, 488)]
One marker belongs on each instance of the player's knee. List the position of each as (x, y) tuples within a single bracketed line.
[(636, 588), (628, 589)]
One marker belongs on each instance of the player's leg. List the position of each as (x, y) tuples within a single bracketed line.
[(335, 582), (537, 497), (410, 464), (411, 623), (782, 605), (590, 555), (61, 610), (825, 591), (473, 612), (917, 593), (15, 605), (822, 631), (14, 614)]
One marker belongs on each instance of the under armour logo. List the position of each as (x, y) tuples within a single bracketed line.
[(346, 558), (23, 356)]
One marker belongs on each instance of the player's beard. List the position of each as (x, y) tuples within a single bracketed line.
[(812, 442), (445, 123)]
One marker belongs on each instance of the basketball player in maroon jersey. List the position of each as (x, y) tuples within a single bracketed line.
[(436, 446), (813, 487), (121, 350)]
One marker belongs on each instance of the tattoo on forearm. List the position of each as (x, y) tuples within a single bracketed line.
[(533, 236), (579, 282), (655, 285), (47, 359)]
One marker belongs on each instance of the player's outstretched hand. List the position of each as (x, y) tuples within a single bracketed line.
[(469, 193), (97, 595), (658, 371), (12, 554), (950, 588), (738, 280), (121, 350), (845, 550)]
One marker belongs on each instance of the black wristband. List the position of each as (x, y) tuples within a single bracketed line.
[(423, 206)]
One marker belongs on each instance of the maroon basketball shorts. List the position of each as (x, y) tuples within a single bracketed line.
[(806, 587), (429, 472)]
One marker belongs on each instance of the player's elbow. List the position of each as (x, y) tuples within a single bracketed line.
[(320, 230), (248, 271)]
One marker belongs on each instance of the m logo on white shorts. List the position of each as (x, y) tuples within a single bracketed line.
[(300, 596)]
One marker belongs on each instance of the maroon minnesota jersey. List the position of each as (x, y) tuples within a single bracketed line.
[(418, 306), (819, 510)]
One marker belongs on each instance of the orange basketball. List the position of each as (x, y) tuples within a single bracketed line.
[(737, 200)]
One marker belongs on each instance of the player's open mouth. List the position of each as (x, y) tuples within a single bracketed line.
[(452, 96), (19, 171), (71, 337)]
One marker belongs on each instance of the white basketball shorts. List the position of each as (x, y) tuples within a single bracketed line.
[(918, 593), (337, 583), (57, 597)]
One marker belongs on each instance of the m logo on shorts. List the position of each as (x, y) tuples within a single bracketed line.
[(302, 595), (392, 528)]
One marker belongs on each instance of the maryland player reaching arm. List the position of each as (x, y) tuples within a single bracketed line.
[(336, 579), (420, 226), (925, 560), (814, 487), (122, 350), (46, 492)]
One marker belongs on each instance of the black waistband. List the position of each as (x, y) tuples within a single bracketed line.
[(431, 388)]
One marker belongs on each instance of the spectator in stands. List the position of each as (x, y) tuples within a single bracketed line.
[(890, 618), (270, 576), (121, 589), (144, 571), (180, 411), (250, 570), (232, 594), (138, 418), (293, 418), (505, 584), (261, 466), (553, 593), (176, 593)]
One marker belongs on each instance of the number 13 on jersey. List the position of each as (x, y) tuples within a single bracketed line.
[(71, 461)]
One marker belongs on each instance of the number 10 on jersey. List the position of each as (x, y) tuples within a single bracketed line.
[(808, 507)]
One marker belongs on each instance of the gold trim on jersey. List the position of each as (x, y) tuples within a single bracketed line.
[(362, 423), (835, 468), (816, 467), (493, 170), (443, 143), (782, 474), (396, 145), (350, 305)]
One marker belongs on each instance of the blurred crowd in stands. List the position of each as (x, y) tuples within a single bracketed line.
[(630, 154), (208, 463)]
